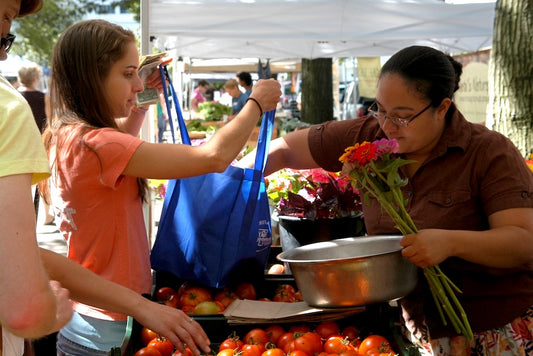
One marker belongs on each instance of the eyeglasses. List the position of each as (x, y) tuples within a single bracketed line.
[(7, 42), (398, 121)]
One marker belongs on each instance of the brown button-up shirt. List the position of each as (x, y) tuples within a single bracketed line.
[(472, 173)]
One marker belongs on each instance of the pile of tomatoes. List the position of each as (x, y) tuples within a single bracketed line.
[(327, 339), (196, 299)]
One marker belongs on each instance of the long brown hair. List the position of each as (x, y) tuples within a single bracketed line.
[(81, 61)]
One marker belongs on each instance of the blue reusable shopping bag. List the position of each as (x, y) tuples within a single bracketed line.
[(215, 228)]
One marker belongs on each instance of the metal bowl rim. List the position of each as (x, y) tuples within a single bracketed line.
[(343, 241)]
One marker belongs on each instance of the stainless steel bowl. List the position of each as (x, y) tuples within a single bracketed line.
[(352, 271)]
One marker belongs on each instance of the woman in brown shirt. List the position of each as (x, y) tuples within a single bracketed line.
[(470, 194)]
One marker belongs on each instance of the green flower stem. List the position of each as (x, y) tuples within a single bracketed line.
[(384, 203), (443, 302), (434, 292), (465, 325), (449, 281), (440, 285)]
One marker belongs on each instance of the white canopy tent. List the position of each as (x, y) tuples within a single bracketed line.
[(282, 29)]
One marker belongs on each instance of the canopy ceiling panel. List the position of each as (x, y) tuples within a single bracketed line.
[(279, 29)]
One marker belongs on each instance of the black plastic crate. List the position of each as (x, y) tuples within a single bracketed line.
[(379, 319)]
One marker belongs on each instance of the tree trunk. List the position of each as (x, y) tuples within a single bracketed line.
[(317, 90), (511, 73)]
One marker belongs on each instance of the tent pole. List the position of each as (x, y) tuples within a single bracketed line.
[(145, 35), (146, 132)]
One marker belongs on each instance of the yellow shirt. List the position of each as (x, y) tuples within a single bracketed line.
[(21, 152), (21, 148)]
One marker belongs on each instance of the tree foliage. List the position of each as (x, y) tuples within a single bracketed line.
[(37, 34), (133, 6)]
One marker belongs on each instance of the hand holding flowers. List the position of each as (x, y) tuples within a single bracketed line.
[(373, 169)]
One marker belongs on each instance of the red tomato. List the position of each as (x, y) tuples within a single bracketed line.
[(273, 352), (373, 343), (194, 296), (349, 353), (184, 286), (147, 351), (252, 349), (246, 291), (232, 343), (274, 332), (337, 345), (164, 346), (285, 293), (298, 296), (284, 340), (187, 352), (173, 301), (327, 329), (147, 335), (297, 353), (351, 332), (256, 336), (310, 343), (324, 353), (164, 293), (226, 352), (225, 296), (302, 329)]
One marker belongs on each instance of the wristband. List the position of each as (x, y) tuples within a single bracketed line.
[(257, 102), (137, 109)]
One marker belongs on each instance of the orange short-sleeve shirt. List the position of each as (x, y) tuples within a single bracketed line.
[(100, 209)]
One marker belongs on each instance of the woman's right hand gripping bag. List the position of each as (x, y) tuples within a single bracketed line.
[(215, 228)]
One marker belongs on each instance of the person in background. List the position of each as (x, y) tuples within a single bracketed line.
[(198, 94), (245, 81), (162, 118), (238, 98), (99, 166), (470, 194), (29, 79), (36, 283)]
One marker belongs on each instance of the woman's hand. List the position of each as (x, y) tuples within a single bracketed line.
[(175, 325), (63, 305), (154, 81), (267, 93), (427, 247)]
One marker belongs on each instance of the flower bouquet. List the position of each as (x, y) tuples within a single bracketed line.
[(373, 168)]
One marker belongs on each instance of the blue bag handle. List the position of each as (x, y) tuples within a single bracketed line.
[(263, 140)]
